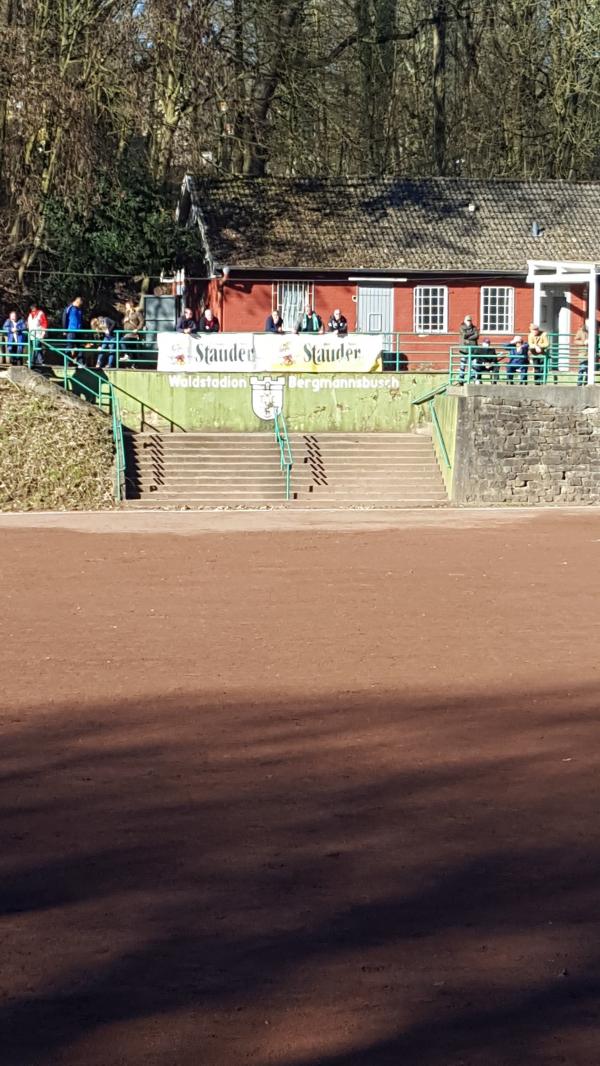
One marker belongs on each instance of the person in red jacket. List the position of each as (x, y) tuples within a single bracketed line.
[(37, 324), (208, 323)]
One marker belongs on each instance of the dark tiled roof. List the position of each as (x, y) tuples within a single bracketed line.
[(394, 224)]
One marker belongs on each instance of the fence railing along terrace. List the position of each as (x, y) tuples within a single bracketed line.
[(564, 363)]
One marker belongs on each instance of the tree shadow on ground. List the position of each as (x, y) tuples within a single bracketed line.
[(348, 882)]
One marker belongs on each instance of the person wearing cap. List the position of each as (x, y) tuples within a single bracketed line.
[(469, 338), (517, 351), (338, 323), (486, 361), (539, 343)]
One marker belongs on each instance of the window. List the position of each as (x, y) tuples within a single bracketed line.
[(431, 309), (291, 297), (497, 304)]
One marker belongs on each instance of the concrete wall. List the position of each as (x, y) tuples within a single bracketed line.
[(527, 445), (312, 402), (446, 409)]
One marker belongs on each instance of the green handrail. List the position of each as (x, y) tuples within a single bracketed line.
[(429, 398), (438, 432), (431, 394), (119, 442), (286, 460), (94, 386)]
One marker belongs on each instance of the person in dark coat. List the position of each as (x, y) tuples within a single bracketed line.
[(186, 323), (309, 321), (469, 339), (208, 323), (274, 323), (338, 323)]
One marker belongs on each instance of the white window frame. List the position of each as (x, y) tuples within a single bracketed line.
[(291, 303), (418, 318), (484, 318)]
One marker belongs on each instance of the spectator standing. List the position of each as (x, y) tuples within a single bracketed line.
[(309, 321), (469, 338), (539, 343), (37, 324), (133, 325), (72, 322), (186, 323), (581, 347), (338, 323), (274, 323), (517, 350), (208, 323), (16, 334)]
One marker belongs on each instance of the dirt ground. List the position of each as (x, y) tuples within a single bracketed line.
[(313, 796)]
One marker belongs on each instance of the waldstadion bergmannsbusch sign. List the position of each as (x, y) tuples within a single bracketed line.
[(266, 352)]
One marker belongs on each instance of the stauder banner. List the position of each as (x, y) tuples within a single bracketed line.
[(265, 352)]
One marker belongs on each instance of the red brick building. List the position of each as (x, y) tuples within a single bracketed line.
[(409, 258)]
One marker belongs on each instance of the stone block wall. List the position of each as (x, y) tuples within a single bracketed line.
[(527, 445)]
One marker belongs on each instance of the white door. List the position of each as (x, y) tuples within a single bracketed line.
[(555, 318), (376, 311)]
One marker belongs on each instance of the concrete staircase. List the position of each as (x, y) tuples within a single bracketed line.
[(242, 470), (203, 470), (366, 469)]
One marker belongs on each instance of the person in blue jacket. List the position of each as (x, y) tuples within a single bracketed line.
[(16, 333), (72, 321)]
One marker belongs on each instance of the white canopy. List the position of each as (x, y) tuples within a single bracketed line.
[(566, 273)]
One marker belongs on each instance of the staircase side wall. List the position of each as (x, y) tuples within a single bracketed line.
[(446, 409), (527, 445), (313, 403)]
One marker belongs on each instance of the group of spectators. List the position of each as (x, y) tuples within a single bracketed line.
[(309, 322), (101, 338), (16, 330), (480, 357), (477, 357), (206, 323)]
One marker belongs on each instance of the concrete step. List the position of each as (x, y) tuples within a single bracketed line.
[(238, 470)]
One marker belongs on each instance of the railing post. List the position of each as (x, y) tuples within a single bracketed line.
[(117, 352)]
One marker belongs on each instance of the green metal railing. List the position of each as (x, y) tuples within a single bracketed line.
[(429, 398), (286, 460), (122, 351), (119, 443), (564, 363), (438, 433), (83, 381)]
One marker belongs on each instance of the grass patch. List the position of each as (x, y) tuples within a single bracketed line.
[(52, 456)]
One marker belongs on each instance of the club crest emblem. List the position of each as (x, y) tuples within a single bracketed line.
[(267, 397)]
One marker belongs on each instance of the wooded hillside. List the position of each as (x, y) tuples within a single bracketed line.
[(105, 103)]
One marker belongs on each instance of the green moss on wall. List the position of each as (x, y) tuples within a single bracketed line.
[(312, 403)]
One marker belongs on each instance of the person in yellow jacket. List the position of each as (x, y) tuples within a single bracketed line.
[(539, 344)]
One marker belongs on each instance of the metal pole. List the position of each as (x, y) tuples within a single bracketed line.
[(592, 326)]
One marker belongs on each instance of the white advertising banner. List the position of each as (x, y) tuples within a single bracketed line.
[(265, 352), (314, 352), (210, 351)]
